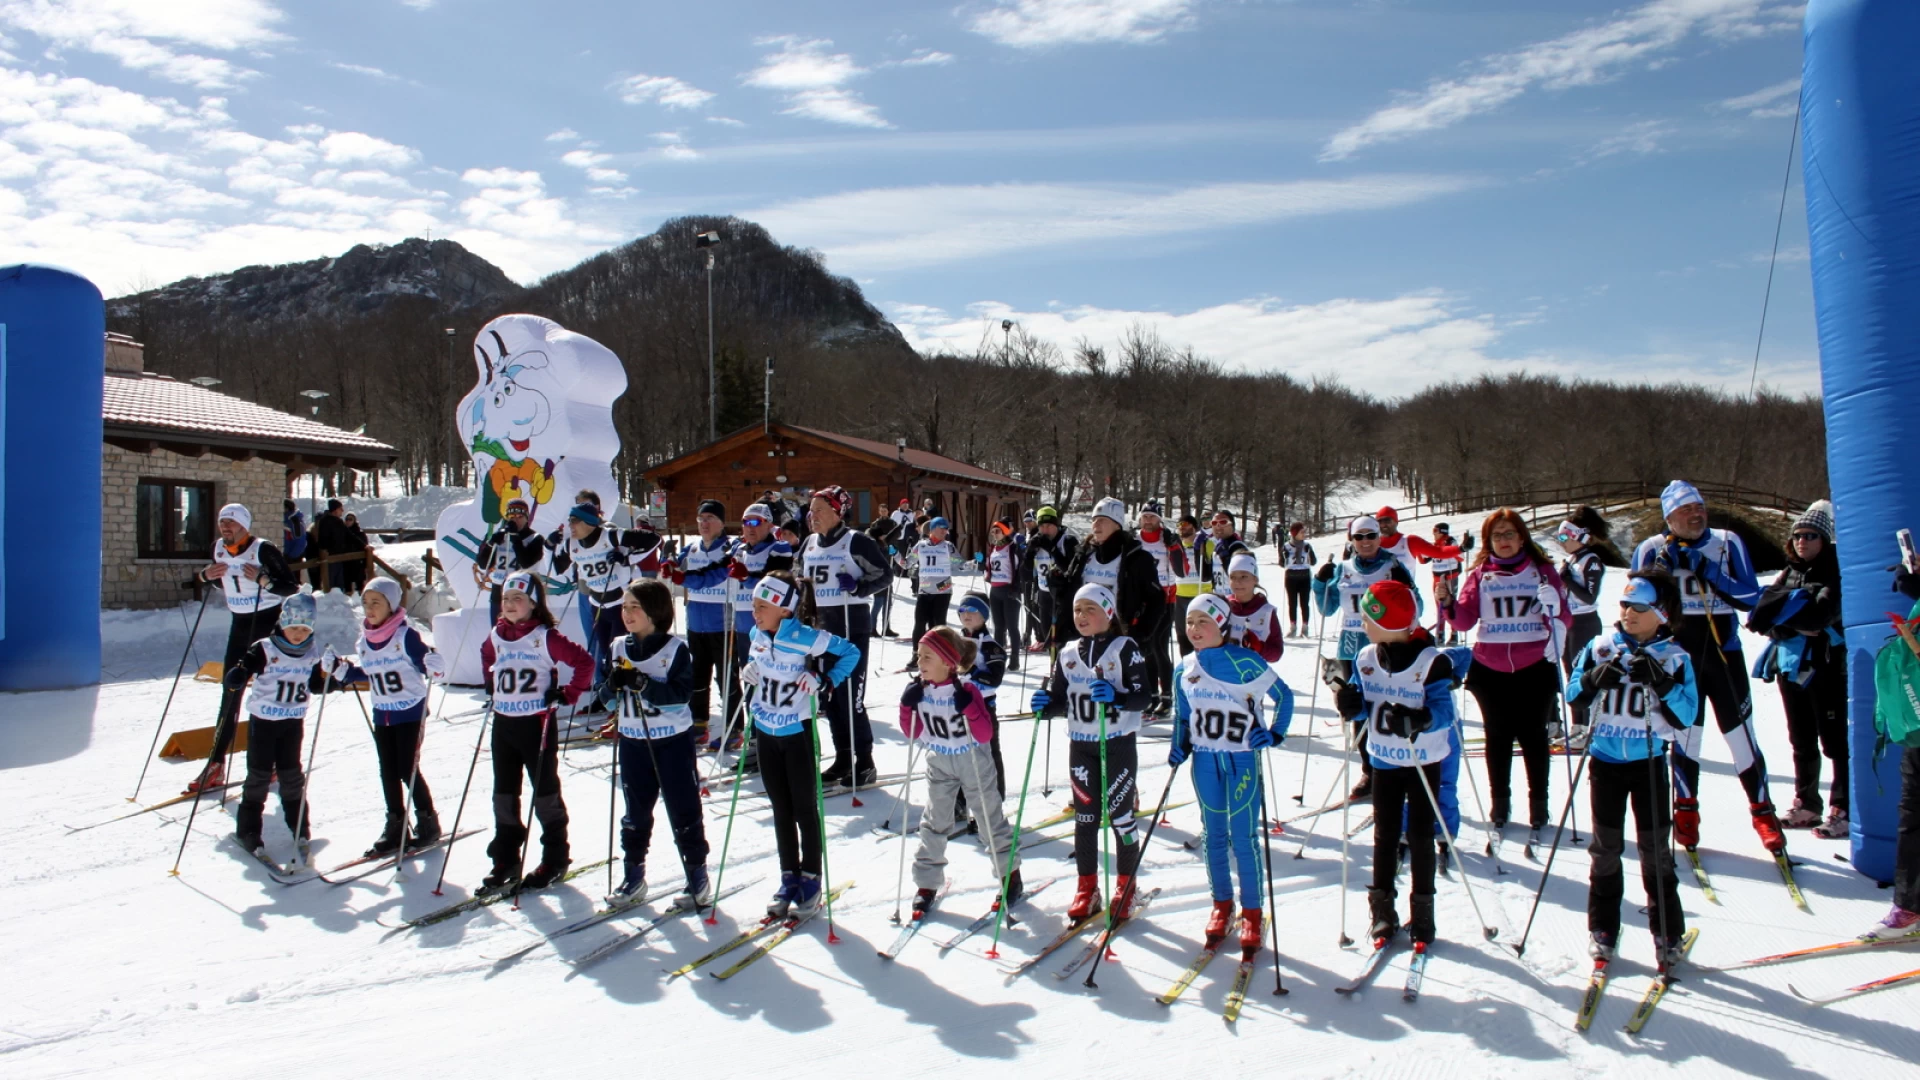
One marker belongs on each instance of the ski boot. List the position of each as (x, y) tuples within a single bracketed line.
[(1800, 817), (1686, 823), (865, 774), (1601, 945), (699, 890), (1251, 931), (1899, 925), (1363, 790), (250, 841), (1015, 888), (923, 902), (837, 774), (426, 832), (1442, 857), (389, 841), (1837, 826), (807, 894), (1122, 897), (1385, 922), (503, 875), (1086, 898), (1217, 922), (548, 872), (1420, 926), (212, 778), (782, 901), (1667, 953), (1767, 824), (633, 886)]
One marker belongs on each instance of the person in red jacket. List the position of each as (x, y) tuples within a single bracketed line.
[(1253, 622), (530, 669)]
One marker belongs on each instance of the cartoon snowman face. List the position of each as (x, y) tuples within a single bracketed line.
[(507, 409)]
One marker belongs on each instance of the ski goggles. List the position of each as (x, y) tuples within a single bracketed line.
[(1364, 536), (1641, 596), (1570, 533)]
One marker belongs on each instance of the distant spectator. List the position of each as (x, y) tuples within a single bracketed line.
[(334, 540), (354, 571), (293, 534)]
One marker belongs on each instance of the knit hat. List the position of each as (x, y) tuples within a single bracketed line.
[(836, 497), (1390, 605), (1112, 509), (712, 506), (1152, 506), (1386, 513), (942, 646), (760, 512), (1642, 591), (517, 503), (1819, 518), (525, 582), (299, 610), (1679, 494), (386, 587), (1047, 516), (1028, 516), (1243, 562), (1213, 606), (938, 523), (1363, 523), (237, 514), (1001, 531), (588, 513), (1100, 596), (774, 591), (975, 603)]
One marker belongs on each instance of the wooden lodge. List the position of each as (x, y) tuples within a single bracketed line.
[(737, 470)]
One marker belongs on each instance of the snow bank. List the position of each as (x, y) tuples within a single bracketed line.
[(405, 511)]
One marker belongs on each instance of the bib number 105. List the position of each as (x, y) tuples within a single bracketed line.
[(1221, 725)]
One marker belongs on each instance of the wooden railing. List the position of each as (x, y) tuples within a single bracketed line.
[(1603, 493), (373, 562)]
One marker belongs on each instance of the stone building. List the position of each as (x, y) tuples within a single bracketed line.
[(174, 453)]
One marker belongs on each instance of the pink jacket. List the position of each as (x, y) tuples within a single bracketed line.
[(1464, 611), (972, 705)]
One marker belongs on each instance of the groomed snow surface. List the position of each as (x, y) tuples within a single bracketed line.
[(115, 968)]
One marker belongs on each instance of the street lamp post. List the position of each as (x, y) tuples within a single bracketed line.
[(708, 239), (313, 484), (453, 370)]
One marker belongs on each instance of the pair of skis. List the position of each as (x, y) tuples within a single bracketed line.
[(1236, 994), (1834, 949), (1376, 959), (366, 865), (1065, 937), (621, 940), (1656, 990), (483, 898), (1780, 861), (770, 932)]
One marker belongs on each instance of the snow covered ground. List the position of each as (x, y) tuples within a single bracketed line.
[(114, 968)]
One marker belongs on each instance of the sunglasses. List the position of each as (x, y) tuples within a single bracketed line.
[(516, 513), (753, 521), (1640, 608), (1365, 536), (1808, 536)]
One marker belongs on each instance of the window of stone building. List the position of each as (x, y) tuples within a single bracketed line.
[(174, 519)]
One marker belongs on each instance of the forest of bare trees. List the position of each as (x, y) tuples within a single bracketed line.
[(1138, 418)]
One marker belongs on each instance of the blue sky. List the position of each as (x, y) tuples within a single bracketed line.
[(1389, 192)]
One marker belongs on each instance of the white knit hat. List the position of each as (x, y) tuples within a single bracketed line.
[(1819, 518), (1243, 562), (1112, 509)]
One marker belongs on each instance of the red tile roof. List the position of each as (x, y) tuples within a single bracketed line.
[(920, 459), (154, 404)]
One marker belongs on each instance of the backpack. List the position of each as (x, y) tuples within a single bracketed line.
[(1896, 685)]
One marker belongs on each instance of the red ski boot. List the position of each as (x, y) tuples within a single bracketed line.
[(1217, 922), (1122, 897), (1250, 932), (213, 778), (1767, 824), (1086, 898)]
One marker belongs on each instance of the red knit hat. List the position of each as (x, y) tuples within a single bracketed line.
[(1390, 605)]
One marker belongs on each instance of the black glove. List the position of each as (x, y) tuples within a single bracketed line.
[(1325, 573), (1906, 582), (1350, 701), (625, 677), (556, 697), (1403, 721), (1605, 674), (1648, 672)]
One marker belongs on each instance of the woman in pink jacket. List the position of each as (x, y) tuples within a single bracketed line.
[(1516, 598)]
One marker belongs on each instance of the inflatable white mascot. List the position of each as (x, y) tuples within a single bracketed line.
[(539, 425)]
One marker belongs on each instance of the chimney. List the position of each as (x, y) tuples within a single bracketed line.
[(124, 355)]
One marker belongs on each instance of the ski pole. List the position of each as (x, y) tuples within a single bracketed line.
[(1046, 774), (188, 831), (733, 804), (820, 807), (313, 747), (1326, 801), (906, 784), (1013, 848), (1112, 923), (1465, 878), (1573, 789), (1346, 864), (1306, 752), (446, 857), (407, 798), (1665, 865), (986, 793), (548, 719), (1560, 708), (728, 678), (1273, 906), (1460, 731), (1106, 811), (613, 787), (205, 595)]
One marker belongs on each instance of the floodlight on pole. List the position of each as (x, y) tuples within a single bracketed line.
[(707, 239)]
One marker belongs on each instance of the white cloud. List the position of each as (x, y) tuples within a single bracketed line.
[(1780, 99), (369, 72), (1037, 24), (662, 89), (726, 121), (1644, 137), (148, 35), (129, 188), (564, 135), (922, 58), (889, 228), (594, 165), (344, 147), (1585, 57), (813, 81)]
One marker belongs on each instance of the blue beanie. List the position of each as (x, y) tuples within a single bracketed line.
[(975, 603), (1678, 494), (938, 523), (586, 512)]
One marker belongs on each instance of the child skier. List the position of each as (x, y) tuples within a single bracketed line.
[(1638, 687), (933, 569), (1298, 558), (1218, 692), (948, 714), (990, 663), (1339, 592), (1254, 623), (523, 661), (1100, 686), (284, 673), (1004, 563), (653, 676), (1582, 572), (394, 661), (783, 691), (1402, 691)]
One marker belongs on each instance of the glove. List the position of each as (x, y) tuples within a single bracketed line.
[(624, 677), (674, 573), (1906, 582), (1549, 598), (1325, 573), (555, 697), (1260, 737), (808, 683), (436, 666), (1649, 672), (1403, 721), (737, 570), (1683, 557), (1102, 691), (1350, 701), (1041, 699), (1605, 674), (847, 582), (1173, 594), (1176, 754), (330, 661)]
